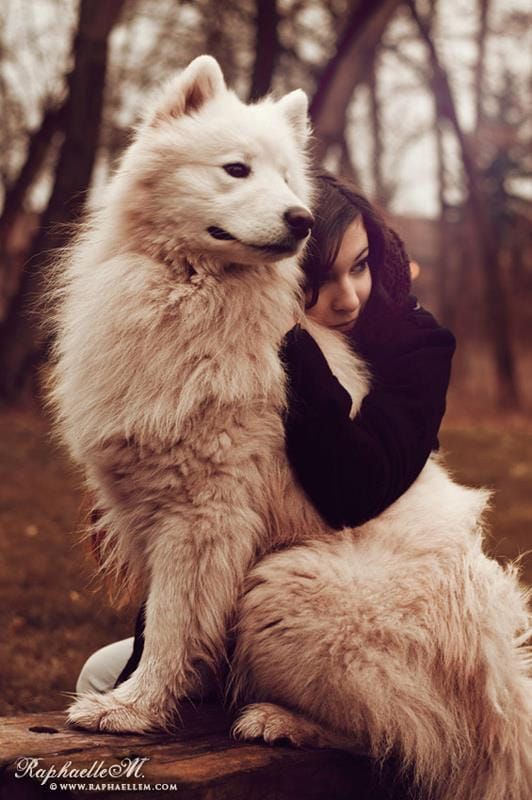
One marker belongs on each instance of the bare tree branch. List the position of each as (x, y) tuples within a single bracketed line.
[(20, 348), (348, 67)]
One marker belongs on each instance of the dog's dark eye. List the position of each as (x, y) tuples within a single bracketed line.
[(237, 170)]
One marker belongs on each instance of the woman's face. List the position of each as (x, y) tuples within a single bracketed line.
[(347, 285)]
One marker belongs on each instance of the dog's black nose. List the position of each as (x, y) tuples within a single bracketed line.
[(299, 220)]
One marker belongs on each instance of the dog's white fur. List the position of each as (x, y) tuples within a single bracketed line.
[(401, 636)]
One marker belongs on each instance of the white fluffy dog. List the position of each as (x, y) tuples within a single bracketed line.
[(169, 392)]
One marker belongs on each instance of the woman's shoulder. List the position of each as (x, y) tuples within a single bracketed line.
[(421, 317), (407, 330), (422, 320)]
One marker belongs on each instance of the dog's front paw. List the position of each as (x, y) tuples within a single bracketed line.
[(109, 713), (273, 724)]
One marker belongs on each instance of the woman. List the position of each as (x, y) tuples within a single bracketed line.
[(358, 282)]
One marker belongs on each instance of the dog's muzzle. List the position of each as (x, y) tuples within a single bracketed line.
[(298, 220)]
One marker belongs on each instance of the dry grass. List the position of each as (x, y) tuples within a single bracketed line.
[(52, 615), (499, 457)]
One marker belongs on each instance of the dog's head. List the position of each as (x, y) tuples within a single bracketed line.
[(209, 174)]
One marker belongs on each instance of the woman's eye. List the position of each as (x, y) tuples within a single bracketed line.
[(237, 170), (357, 269)]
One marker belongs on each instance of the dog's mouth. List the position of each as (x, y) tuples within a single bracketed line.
[(288, 245), (280, 248)]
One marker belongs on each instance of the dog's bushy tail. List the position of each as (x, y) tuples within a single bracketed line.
[(438, 676)]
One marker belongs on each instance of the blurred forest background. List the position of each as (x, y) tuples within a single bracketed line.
[(424, 103)]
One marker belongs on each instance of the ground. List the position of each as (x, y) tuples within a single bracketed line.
[(52, 612)]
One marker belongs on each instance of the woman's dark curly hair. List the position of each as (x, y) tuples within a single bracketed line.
[(336, 205)]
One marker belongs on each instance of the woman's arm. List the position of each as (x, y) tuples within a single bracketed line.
[(352, 470)]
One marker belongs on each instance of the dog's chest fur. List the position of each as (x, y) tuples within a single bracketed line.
[(182, 407)]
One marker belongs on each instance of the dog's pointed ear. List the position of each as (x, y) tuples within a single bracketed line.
[(295, 108), (199, 82)]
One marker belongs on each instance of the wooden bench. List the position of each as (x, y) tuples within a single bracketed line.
[(199, 762)]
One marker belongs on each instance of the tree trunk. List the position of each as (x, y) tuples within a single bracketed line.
[(266, 47), (483, 9), (38, 148), (495, 299), (376, 133), (443, 255), (446, 253), (21, 348), (346, 69), (346, 168)]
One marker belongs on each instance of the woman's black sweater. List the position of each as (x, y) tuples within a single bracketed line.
[(352, 470)]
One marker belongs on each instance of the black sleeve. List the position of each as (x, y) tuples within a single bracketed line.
[(352, 470), (138, 647)]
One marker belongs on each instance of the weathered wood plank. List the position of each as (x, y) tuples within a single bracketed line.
[(200, 761)]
